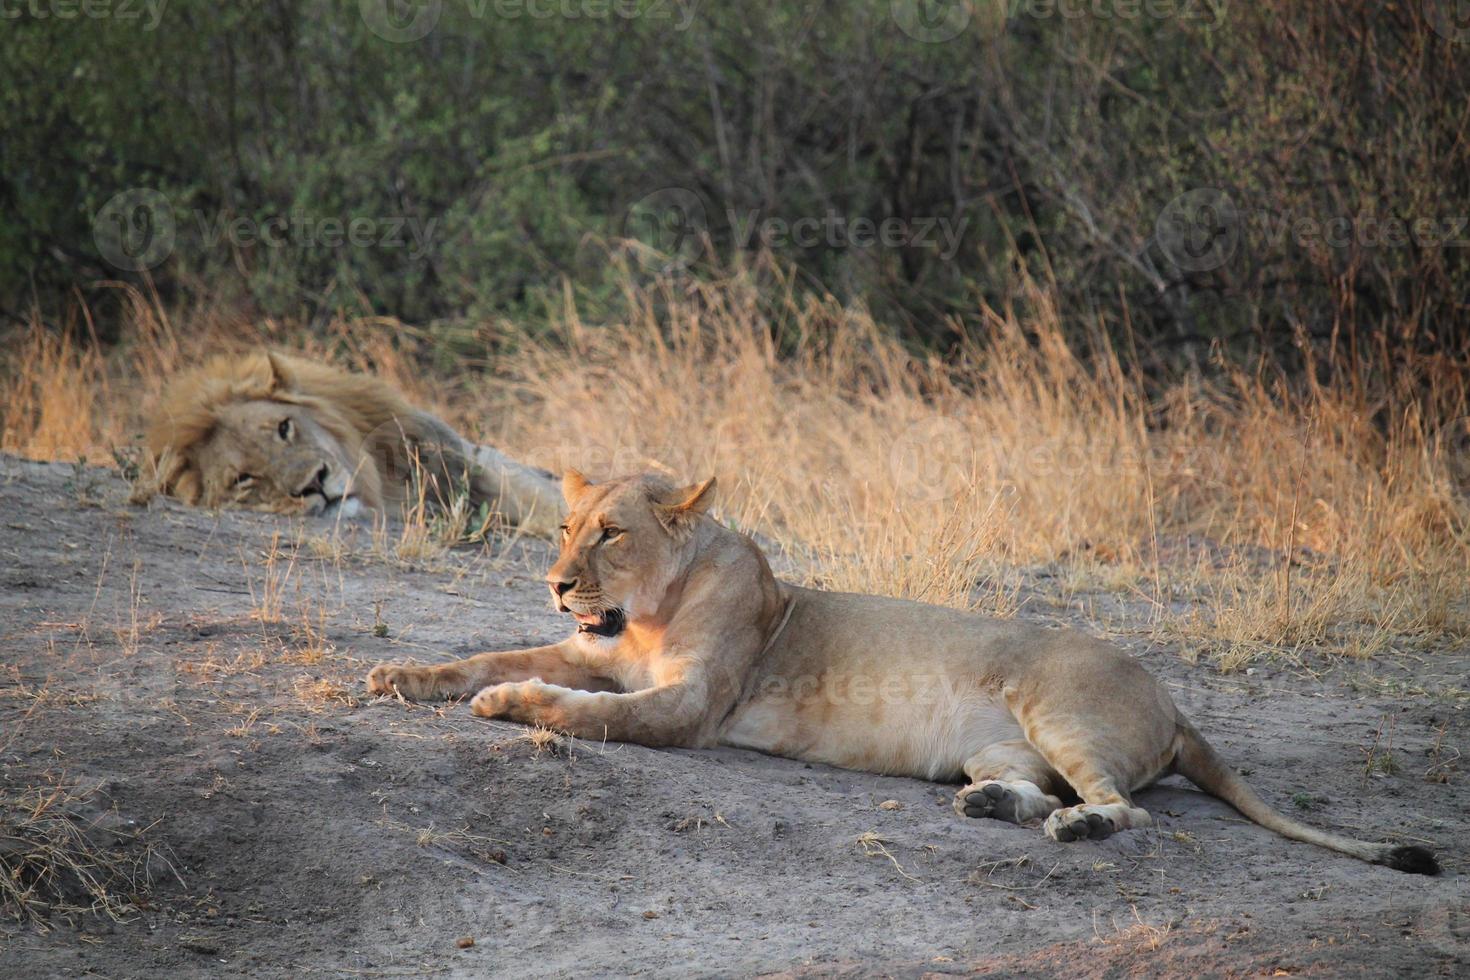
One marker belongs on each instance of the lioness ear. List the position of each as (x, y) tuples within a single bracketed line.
[(573, 485), (682, 506)]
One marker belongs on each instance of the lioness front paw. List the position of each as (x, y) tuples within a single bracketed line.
[(533, 702), (500, 700), (414, 683)]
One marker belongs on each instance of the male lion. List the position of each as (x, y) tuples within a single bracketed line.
[(275, 433), (685, 638)]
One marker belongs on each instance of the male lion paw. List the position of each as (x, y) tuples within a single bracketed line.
[(1079, 823), (415, 683)]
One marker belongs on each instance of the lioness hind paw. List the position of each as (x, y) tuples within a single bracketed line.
[(1077, 824), (994, 800)]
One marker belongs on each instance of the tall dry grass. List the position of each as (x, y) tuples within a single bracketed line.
[(1250, 514)]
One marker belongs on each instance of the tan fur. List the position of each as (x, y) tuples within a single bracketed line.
[(717, 651), (349, 440)]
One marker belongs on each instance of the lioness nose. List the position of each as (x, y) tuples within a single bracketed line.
[(561, 586)]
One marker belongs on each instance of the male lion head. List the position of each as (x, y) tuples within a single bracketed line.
[(271, 433), (620, 547)]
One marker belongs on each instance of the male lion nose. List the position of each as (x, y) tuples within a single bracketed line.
[(561, 586), (318, 483)]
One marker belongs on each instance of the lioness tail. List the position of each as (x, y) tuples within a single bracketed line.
[(1197, 761)]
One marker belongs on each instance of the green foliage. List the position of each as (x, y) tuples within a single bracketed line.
[(496, 159)]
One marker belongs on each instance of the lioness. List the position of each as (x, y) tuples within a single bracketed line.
[(685, 638), (271, 432)]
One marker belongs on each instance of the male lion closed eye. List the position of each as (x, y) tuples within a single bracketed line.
[(686, 638), (275, 433)]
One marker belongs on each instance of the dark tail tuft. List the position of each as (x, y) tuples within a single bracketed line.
[(1414, 860)]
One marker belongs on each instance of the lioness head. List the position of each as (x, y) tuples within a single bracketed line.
[(620, 547), (241, 433)]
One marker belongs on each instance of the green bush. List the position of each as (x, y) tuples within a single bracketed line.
[(499, 157)]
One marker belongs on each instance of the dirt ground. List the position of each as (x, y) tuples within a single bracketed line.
[(184, 670)]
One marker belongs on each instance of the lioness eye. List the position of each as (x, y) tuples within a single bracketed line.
[(565, 530), (608, 533), (284, 430)]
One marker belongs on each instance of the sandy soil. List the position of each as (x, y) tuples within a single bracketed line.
[(316, 833)]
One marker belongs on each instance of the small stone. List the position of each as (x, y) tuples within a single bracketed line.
[(199, 944), (650, 914), (465, 942), (890, 805)]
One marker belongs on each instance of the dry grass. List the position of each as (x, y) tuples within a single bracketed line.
[(544, 740), (1141, 936), (54, 397), (268, 596), (876, 846), (55, 861), (214, 668), (426, 531), (319, 693), (487, 850), (1255, 515), (886, 472)]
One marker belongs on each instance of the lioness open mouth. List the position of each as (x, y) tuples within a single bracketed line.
[(607, 622)]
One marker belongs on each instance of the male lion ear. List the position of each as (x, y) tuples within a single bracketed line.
[(573, 485), (682, 506), (281, 377)]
